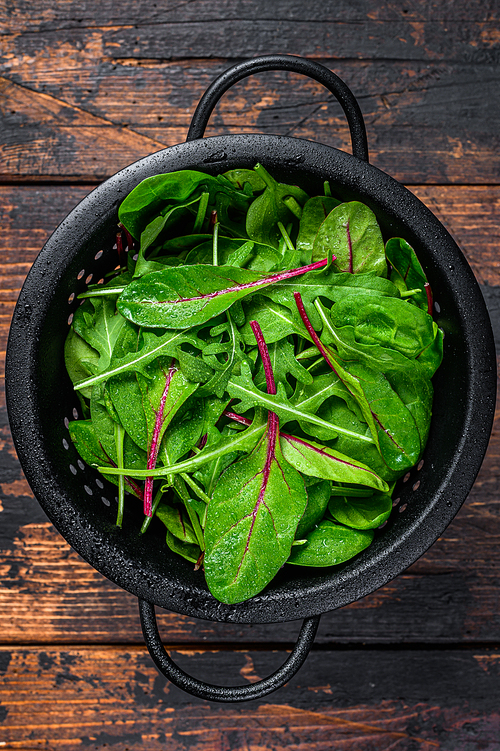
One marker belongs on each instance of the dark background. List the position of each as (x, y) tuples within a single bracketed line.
[(85, 89)]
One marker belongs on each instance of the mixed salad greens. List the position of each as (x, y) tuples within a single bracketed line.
[(256, 371)]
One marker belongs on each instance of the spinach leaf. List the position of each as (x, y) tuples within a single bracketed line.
[(318, 496), (154, 193), (390, 322), (329, 544), (361, 513), (272, 207), (315, 211), (407, 272)]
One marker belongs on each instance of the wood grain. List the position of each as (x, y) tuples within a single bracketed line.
[(368, 700), (87, 90)]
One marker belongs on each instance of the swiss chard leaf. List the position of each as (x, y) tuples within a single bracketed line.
[(352, 233), (317, 460), (186, 296), (256, 505)]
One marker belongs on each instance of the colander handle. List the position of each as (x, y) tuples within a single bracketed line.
[(284, 62), (192, 686)]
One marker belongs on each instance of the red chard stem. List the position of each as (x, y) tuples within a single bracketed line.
[(430, 301), (312, 332), (155, 445)]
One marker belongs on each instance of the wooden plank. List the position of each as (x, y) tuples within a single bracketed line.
[(82, 117), (365, 699), (64, 14), (246, 28)]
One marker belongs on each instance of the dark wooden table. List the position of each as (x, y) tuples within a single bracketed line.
[(87, 88)]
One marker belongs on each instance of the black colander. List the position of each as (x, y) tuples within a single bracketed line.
[(82, 505)]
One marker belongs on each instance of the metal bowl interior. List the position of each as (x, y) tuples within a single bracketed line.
[(82, 505)]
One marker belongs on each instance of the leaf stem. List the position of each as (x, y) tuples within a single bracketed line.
[(155, 444), (215, 257), (194, 486), (286, 237), (119, 440), (266, 360), (294, 206), (156, 503), (200, 215)]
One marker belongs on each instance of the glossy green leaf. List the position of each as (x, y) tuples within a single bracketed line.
[(256, 506), (390, 322), (154, 193), (407, 272), (187, 296), (330, 544), (177, 522), (361, 513), (352, 233), (315, 211), (318, 496), (270, 207), (318, 460)]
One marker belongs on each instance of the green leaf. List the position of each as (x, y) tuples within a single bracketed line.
[(187, 296), (352, 233), (276, 321), (89, 446), (177, 522), (388, 321), (99, 324), (361, 513), (318, 496), (244, 179), (245, 441), (331, 285), (284, 364), (243, 389), (149, 347), (330, 544), (154, 193), (269, 208), (256, 506), (187, 550), (314, 214), (407, 272), (233, 251), (317, 460), (81, 359)]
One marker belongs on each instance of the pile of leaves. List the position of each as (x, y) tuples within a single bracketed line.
[(256, 371)]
